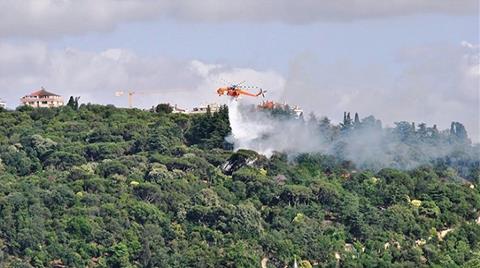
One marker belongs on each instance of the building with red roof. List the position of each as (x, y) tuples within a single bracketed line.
[(42, 98)]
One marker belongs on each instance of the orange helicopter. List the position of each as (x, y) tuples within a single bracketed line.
[(235, 90)]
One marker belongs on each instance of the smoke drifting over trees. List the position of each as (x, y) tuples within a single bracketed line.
[(362, 141)]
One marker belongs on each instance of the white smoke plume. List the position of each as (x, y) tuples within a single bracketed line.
[(258, 132), (368, 145)]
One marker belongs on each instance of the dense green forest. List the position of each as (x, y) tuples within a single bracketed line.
[(99, 186)]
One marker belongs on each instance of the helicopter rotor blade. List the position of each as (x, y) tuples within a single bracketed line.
[(241, 83)]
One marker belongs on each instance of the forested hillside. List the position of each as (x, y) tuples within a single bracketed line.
[(99, 186)]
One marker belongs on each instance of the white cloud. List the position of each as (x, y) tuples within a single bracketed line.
[(40, 18), (97, 76), (57, 17), (472, 59), (435, 85)]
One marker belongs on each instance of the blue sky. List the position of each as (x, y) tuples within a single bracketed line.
[(272, 44), (327, 56)]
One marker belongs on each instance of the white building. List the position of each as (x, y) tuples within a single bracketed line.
[(3, 104), (177, 110), (42, 98), (203, 109)]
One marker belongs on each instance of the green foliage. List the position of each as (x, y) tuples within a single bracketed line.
[(209, 130), (73, 102), (163, 108), (111, 167), (97, 186)]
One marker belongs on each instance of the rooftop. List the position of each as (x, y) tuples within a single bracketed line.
[(42, 93)]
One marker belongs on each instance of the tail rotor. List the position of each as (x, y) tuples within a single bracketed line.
[(262, 93)]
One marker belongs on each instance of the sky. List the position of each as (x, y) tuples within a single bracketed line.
[(412, 60)]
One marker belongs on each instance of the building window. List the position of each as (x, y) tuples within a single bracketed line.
[(44, 102)]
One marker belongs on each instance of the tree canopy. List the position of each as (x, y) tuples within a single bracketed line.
[(99, 186)]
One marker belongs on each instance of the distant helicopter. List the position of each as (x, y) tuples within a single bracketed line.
[(235, 90)]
